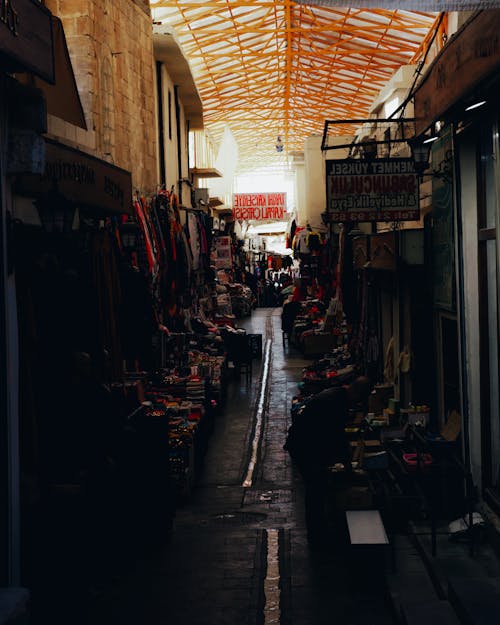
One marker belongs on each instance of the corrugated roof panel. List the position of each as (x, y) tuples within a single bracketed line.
[(269, 67)]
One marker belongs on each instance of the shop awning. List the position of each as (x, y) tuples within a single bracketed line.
[(62, 97), (267, 229), (218, 206), (470, 57), (215, 202), (205, 172), (169, 51), (26, 38)]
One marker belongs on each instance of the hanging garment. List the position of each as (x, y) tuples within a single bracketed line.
[(299, 244), (142, 218), (313, 241), (193, 227), (389, 372), (404, 363), (372, 350)]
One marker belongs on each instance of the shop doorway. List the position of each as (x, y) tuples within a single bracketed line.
[(449, 367), (489, 368), (488, 309)]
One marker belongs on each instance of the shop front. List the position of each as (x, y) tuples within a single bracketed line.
[(25, 45), (459, 97), (64, 296)]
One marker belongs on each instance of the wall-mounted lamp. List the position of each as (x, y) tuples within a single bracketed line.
[(56, 213), (420, 149)]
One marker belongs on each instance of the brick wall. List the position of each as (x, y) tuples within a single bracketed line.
[(111, 49)]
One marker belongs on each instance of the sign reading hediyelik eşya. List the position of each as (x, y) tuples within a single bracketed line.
[(372, 190)]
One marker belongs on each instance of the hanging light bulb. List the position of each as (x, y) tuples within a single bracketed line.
[(279, 144)]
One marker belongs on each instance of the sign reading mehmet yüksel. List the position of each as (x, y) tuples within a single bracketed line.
[(372, 190)]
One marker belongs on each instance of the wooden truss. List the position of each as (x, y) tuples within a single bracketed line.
[(270, 68)]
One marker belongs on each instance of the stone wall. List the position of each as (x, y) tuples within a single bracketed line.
[(111, 49)]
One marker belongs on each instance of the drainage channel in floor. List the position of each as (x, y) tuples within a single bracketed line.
[(259, 416), (237, 517)]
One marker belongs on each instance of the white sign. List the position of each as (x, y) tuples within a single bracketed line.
[(258, 206), (410, 5)]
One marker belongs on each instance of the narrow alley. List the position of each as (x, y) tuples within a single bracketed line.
[(238, 552), (249, 312)]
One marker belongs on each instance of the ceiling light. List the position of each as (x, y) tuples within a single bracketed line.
[(476, 105)]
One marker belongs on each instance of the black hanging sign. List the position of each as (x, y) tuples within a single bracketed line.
[(81, 178), (26, 38)]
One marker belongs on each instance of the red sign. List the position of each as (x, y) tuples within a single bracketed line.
[(259, 206), (372, 190)]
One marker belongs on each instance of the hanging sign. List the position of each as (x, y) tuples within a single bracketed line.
[(81, 178), (259, 206), (26, 38), (410, 5), (223, 256), (375, 190)]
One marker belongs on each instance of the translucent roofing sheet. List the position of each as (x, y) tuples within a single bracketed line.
[(270, 68)]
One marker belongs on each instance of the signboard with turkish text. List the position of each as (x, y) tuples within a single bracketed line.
[(81, 178), (372, 190), (259, 206)]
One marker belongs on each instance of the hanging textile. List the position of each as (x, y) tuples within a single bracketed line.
[(149, 243), (194, 228), (105, 276), (389, 372)]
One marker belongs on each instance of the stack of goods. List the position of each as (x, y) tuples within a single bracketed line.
[(181, 400), (210, 367), (308, 330), (183, 421), (184, 395), (334, 369), (224, 307), (236, 343), (241, 299)]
